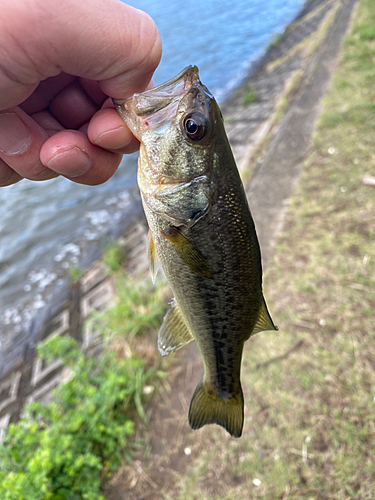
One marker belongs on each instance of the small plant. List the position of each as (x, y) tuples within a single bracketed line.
[(139, 308), (249, 97), (113, 256), (75, 274), (64, 450), (276, 39)]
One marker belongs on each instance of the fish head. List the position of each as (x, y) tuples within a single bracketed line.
[(176, 124)]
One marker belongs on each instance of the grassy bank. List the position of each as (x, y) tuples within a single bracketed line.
[(310, 388)]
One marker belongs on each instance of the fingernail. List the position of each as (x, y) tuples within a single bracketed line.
[(72, 163), (15, 138)]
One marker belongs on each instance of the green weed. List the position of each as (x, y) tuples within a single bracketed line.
[(75, 274), (276, 39), (249, 97), (65, 449), (113, 256), (139, 308)]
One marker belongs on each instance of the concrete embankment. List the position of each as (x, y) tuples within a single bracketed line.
[(270, 121)]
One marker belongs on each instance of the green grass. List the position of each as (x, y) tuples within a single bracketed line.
[(139, 308), (310, 388), (366, 31)]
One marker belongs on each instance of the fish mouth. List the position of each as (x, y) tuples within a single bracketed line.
[(163, 99), (152, 100)]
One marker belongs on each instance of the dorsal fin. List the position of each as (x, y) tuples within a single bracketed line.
[(174, 332)]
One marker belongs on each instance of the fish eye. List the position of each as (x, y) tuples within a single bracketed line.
[(195, 126)]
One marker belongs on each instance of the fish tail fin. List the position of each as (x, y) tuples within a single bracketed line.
[(207, 406)]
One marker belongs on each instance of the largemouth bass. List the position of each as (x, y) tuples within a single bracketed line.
[(203, 233)]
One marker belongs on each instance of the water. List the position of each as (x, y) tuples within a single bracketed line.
[(221, 38), (47, 227)]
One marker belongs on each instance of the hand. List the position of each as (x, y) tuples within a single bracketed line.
[(60, 63)]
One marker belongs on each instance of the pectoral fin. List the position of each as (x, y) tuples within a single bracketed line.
[(152, 257), (174, 332), (264, 321), (187, 252)]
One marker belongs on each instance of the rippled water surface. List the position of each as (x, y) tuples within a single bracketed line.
[(46, 227)]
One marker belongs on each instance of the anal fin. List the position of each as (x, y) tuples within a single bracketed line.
[(174, 332)]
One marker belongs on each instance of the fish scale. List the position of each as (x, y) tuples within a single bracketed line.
[(204, 236)]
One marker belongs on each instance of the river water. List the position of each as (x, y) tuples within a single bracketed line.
[(48, 227)]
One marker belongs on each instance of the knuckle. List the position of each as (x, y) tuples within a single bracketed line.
[(38, 172), (8, 176)]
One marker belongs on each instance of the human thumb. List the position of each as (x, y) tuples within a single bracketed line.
[(107, 41)]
